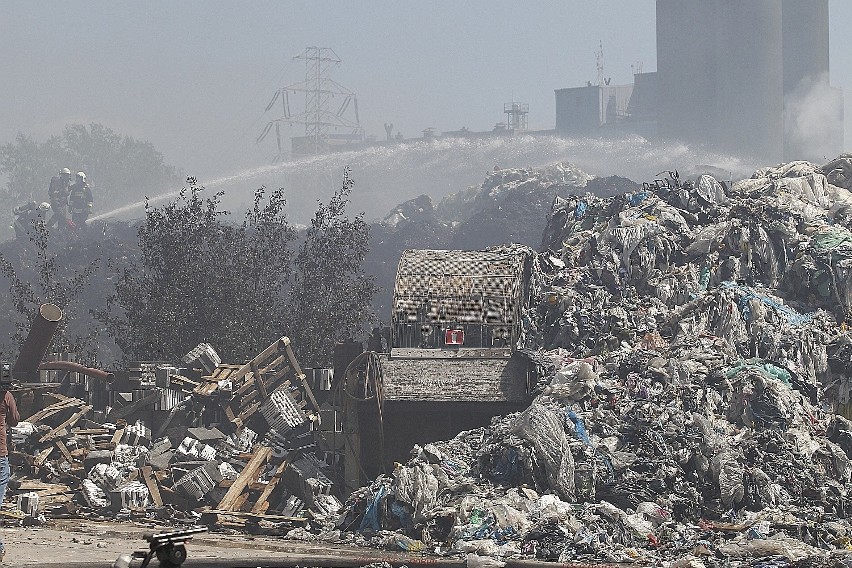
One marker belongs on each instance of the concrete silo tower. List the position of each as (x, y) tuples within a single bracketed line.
[(720, 69), (805, 49), (813, 109), (750, 75)]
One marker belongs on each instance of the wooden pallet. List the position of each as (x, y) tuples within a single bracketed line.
[(274, 369)]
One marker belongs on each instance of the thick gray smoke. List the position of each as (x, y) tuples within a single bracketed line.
[(812, 124)]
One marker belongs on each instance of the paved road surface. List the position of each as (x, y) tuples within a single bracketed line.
[(100, 543)]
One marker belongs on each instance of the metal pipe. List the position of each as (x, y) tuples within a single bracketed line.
[(77, 368), (35, 345)]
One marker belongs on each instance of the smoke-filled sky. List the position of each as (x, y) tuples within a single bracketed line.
[(193, 77)]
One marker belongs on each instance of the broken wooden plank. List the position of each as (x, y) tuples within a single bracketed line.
[(153, 486), (309, 392), (250, 515), (64, 449), (116, 438), (248, 475), (240, 502), (222, 371), (55, 408), (26, 485), (229, 413), (262, 503), (274, 364), (206, 388), (246, 414), (42, 456), (61, 430), (298, 372), (53, 500), (279, 374), (258, 380)]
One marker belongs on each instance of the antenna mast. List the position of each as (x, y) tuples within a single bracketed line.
[(599, 64), (321, 123)]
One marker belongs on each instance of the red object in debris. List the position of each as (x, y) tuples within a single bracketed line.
[(454, 337)]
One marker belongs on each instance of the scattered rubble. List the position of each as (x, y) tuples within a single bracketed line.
[(694, 346), (203, 442)]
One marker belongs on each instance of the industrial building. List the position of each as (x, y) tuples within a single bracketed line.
[(747, 78)]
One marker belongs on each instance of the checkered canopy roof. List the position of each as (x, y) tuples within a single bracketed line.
[(455, 285)]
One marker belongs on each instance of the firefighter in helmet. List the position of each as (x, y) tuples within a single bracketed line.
[(60, 188), (80, 200), (27, 215)]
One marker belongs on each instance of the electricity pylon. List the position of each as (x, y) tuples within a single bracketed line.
[(321, 123)]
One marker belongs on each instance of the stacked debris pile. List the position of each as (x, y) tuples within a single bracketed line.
[(510, 206), (227, 445), (696, 343)]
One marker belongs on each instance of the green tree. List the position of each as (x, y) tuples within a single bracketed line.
[(29, 167), (119, 168), (330, 297), (39, 275), (203, 279)]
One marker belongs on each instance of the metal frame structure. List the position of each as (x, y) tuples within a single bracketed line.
[(321, 123), (516, 115)]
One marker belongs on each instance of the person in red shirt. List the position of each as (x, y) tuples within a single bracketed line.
[(9, 417)]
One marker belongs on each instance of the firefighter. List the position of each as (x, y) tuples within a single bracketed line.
[(80, 200), (27, 215), (60, 187)]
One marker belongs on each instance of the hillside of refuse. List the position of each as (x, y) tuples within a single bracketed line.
[(694, 339)]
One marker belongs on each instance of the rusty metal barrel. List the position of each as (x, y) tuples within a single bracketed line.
[(37, 342)]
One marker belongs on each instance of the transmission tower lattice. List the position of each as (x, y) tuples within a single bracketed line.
[(599, 64), (322, 125)]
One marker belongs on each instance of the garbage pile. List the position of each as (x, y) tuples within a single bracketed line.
[(200, 441), (511, 205), (694, 346)]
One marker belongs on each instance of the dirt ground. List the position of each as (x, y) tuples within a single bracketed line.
[(100, 543)]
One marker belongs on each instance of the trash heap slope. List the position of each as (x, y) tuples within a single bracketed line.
[(511, 205), (694, 347)]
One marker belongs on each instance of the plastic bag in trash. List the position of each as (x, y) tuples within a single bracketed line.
[(543, 429)]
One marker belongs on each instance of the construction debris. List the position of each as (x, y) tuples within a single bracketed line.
[(203, 442), (693, 344)]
